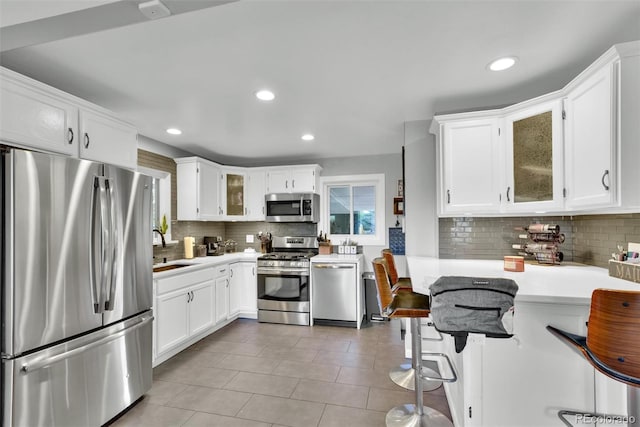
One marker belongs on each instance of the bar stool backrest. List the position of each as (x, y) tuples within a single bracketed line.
[(387, 254), (613, 333), (385, 295)]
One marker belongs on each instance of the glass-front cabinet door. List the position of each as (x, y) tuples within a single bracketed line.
[(534, 159), (235, 194)]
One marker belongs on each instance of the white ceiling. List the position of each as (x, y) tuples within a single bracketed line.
[(350, 72)]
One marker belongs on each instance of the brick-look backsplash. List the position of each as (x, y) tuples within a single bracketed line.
[(597, 236), (590, 239)]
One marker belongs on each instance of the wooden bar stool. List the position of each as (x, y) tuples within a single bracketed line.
[(396, 281), (416, 307), (612, 344), (403, 374)]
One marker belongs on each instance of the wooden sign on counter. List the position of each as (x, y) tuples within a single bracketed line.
[(624, 270)]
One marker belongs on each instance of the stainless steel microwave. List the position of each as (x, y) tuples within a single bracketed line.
[(292, 207)]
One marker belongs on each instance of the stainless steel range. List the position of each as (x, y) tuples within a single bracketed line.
[(283, 281)]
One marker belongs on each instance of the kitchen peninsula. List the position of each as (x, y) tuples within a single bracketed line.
[(533, 371)]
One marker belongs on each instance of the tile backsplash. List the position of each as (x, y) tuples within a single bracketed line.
[(589, 239)]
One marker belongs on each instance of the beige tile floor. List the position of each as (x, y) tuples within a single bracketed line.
[(254, 374)]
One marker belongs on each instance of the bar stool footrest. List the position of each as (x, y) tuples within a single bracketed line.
[(403, 375), (602, 417), (426, 376), (407, 416)]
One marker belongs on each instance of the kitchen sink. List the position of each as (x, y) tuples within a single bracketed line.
[(169, 267)]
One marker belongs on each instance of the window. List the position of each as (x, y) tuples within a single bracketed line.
[(353, 208), (160, 201)]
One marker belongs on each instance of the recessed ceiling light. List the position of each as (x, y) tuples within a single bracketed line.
[(501, 64), (265, 95), (308, 137), (174, 131)]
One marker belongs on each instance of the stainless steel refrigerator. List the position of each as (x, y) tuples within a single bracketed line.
[(76, 289)]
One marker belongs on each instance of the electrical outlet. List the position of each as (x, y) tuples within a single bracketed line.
[(249, 238)]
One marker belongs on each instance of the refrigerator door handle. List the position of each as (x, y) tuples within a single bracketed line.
[(113, 255), (105, 241), (95, 246), (48, 361)]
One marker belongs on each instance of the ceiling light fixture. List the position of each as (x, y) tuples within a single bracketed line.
[(174, 131), (265, 95), (501, 64), (308, 137)]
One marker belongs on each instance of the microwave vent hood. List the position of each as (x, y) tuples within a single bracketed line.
[(292, 207)]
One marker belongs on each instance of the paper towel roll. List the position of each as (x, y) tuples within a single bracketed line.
[(188, 246)]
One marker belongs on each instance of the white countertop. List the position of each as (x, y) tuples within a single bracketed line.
[(563, 283), (204, 262)]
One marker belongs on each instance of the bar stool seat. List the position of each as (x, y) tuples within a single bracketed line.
[(611, 345), (414, 306)]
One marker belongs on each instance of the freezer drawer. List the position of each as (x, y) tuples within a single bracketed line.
[(334, 291), (83, 382)]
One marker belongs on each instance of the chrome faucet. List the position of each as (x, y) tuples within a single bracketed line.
[(164, 244)]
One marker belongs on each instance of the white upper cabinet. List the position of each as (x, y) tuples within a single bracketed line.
[(255, 189), (602, 132), (30, 116), (591, 144), (293, 179), (469, 167), (34, 115), (106, 139), (533, 152), (574, 150), (198, 189)]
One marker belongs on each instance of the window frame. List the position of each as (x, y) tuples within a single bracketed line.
[(375, 180), (164, 194)]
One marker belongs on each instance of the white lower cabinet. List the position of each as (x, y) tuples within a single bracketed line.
[(243, 292), (201, 308), (172, 320), (222, 293), (527, 379), (184, 309), (193, 302)]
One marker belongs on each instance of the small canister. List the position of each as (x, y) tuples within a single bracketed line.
[(201, 250), (514, 263)]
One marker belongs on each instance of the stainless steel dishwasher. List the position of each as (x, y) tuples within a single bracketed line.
[(334, 292)]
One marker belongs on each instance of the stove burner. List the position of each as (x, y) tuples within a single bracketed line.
[(287, 256)]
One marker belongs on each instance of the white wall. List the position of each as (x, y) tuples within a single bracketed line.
[(391, 166), (421, 224), (155, 146)]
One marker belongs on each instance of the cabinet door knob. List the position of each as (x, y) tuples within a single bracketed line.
[(605, 174), (86, 140), (448, 196), (508, 190), (70, 136)]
